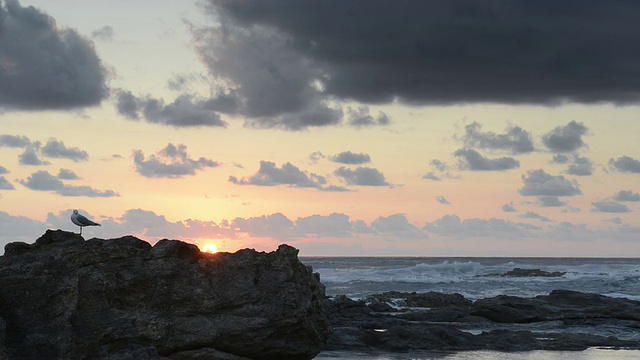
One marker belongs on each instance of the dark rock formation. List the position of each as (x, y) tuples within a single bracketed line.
[(518, 272), (562, 320), (67, 298)]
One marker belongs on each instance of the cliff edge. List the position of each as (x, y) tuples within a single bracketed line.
[(66, 298)]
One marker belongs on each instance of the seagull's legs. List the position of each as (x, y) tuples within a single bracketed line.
[(80, 230)]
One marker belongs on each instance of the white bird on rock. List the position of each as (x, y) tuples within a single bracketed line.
[(81, 221)]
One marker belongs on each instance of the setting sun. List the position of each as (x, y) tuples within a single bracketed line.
[(210, 248)]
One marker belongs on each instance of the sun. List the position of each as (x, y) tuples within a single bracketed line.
[(210, 248)]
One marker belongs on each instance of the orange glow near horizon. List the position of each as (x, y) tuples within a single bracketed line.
[(210, 248)]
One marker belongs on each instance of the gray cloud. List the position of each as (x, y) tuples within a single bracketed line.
[(626, 195), (398, 226), (509, 208), (275, 226), (30, 156), (43, 181), (560, 159), (3, 170), (532, 215), (581, 166), (184, 111), (105, 33), (14, 141), (170, 162), (442, 171), (316, 156), (442, 200), (360, 117), (319, 114), (347, 157), (43, 66), (625, 164), (550, 201), (564, 139), (610, 207), (431, 176), (270, 175), (362, 176), (516, 140), (443, 51), (333, 225), (5, 184), (472, 160), (539, 183), (56, 149), (452, 225), (66, 174), (19, 228)]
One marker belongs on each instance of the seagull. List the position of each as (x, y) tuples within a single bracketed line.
[(81, 221)]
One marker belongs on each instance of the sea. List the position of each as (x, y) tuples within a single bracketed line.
[(358, 277)]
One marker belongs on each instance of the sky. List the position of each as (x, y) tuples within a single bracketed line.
[(362, 127)]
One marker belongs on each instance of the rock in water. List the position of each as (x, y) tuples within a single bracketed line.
[(66, 298)]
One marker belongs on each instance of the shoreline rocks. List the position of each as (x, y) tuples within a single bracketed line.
[(63, 297)]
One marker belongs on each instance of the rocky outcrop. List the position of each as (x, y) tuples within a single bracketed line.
[(562, 320), (519, 272), (66, 298)]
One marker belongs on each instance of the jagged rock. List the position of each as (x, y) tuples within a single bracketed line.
[(518, 272), (66, 298)]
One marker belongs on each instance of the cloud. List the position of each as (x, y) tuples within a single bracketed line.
[(14, 141), (105, 33), (472, 160), (333, 225), (3, 170), (30, 157), (431, 176), (44, 67), (270, 175), (275, 226), (5, 184), (170, 162), (539, 183), (315, 157), (360, 117), (550, 201), (398, 226), (443, 52), (581, 166), (56, 149), (319, 114), (610, 207), (532, 215), (347, 157), (516, 140), (362, 176), (626, 195), (509, 208), (43, 181), (66, 174), (625, 164), (564, 139), (560, 159), (19, 228), (184, 111), (452, 225), (442, 200), (442, 171)]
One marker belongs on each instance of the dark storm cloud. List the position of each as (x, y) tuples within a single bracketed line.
[(270, 175), (362, 176), (43, 181), (347, 157), (56, 149), (625, 164), (564, 139), (626, 195), (43, 66), (438, 52), (516, 140), (610, 207), (185, 111), (171, 162), (539, 183), (14, 141), (472, 160)]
